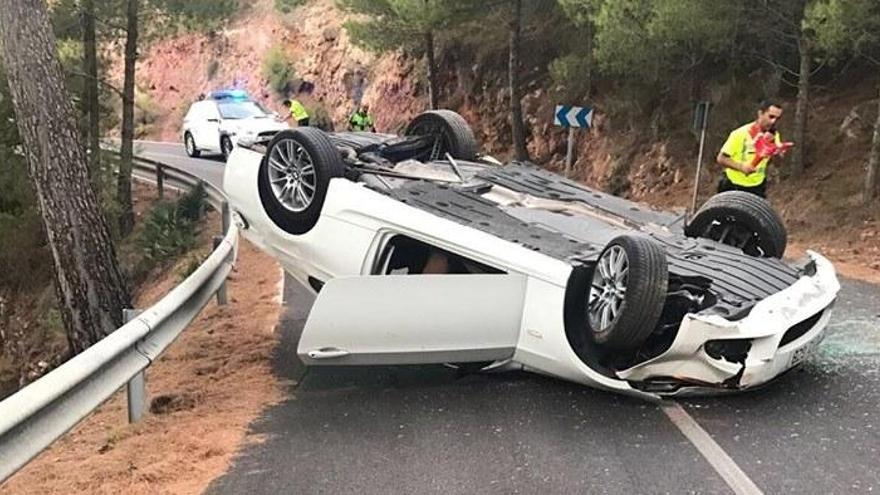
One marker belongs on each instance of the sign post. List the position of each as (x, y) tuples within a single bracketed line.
[(701, 122), (572, 117)]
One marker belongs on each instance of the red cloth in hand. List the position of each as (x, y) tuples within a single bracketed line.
[(766, 147)]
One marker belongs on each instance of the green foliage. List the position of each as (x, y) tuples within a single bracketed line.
[(146, 113), (287, 6), (170, 228), (388, 25), (320, 117), (51, 322), (24, 259), (581, 12), (846, 26), (64, 15), (569, 73), (189, 15), (70, 53), (191, 206), (278, 70), (166, 234), (651, 39)]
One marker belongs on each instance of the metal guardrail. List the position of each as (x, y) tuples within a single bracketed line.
[(165, 176), (40, 413)]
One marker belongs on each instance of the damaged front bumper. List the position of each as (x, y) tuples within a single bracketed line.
[(711, 354)]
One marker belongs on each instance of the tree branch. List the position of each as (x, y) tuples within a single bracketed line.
[(775, 64), (99, 80)]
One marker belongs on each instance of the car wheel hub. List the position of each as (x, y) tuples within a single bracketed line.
[(292, 175), (608, 289), (441, 139)]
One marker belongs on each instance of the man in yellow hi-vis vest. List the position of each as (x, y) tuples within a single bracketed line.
[(747, 152), (298, 112), (361, 120)]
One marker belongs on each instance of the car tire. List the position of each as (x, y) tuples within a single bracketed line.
[(743, 220), (190, 144), (297, 210), (623, 319), (457, 136), (226, 146)]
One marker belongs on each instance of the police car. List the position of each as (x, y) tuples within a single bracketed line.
[(224, 118)]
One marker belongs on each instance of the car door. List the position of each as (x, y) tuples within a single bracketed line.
[(206, 131), (414, 319)]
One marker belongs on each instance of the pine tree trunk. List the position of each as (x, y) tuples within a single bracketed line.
[(872, 188), (588, 46), (803, 105), (433, 86), (123, 184), (88, 281), (90, 67), (516, 115)]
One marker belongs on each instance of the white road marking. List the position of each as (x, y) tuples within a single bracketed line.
[(280, 296), (735, 478)]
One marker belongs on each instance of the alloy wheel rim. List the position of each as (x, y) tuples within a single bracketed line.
[(608, 288), (292, 175), (190, 147)]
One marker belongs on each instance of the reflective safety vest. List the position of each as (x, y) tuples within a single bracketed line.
[(298, 110), (740, 147), (360, 121)]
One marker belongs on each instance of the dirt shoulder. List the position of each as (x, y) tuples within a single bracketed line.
[(205, 391)]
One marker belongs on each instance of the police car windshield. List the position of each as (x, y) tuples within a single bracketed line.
[(241, 109)]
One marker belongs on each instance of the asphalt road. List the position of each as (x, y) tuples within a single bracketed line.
[(209, 167), (429, 429)]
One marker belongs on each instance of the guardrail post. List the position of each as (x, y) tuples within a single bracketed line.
[(226, 217), (136, 390), (221, 291), (160, 181)]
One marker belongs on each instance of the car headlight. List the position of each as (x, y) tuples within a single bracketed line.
[(247, 138)]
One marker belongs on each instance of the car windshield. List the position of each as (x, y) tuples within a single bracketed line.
[(241, 109)]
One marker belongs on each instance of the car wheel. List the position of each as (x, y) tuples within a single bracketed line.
[(743, 220), (190, 144), (294, 177), (451, 133), (226, 146), (627, 292)]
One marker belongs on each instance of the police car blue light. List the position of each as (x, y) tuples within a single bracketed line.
[(229, 94)]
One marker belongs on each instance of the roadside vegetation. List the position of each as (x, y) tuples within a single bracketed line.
[(169, 230), (287, 6), (38, 329), (278, 71), (644, 63)]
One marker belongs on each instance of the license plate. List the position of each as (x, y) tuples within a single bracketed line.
[(799, 355)]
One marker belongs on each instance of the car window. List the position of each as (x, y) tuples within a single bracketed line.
[(406, 256), (241, 109), (202, 110)]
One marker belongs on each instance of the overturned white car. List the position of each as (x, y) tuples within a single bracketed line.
[(423, 251)]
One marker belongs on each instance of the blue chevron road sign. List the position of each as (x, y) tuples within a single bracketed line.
[(569, 116)]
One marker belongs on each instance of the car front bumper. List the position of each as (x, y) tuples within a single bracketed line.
[(781, 331)]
